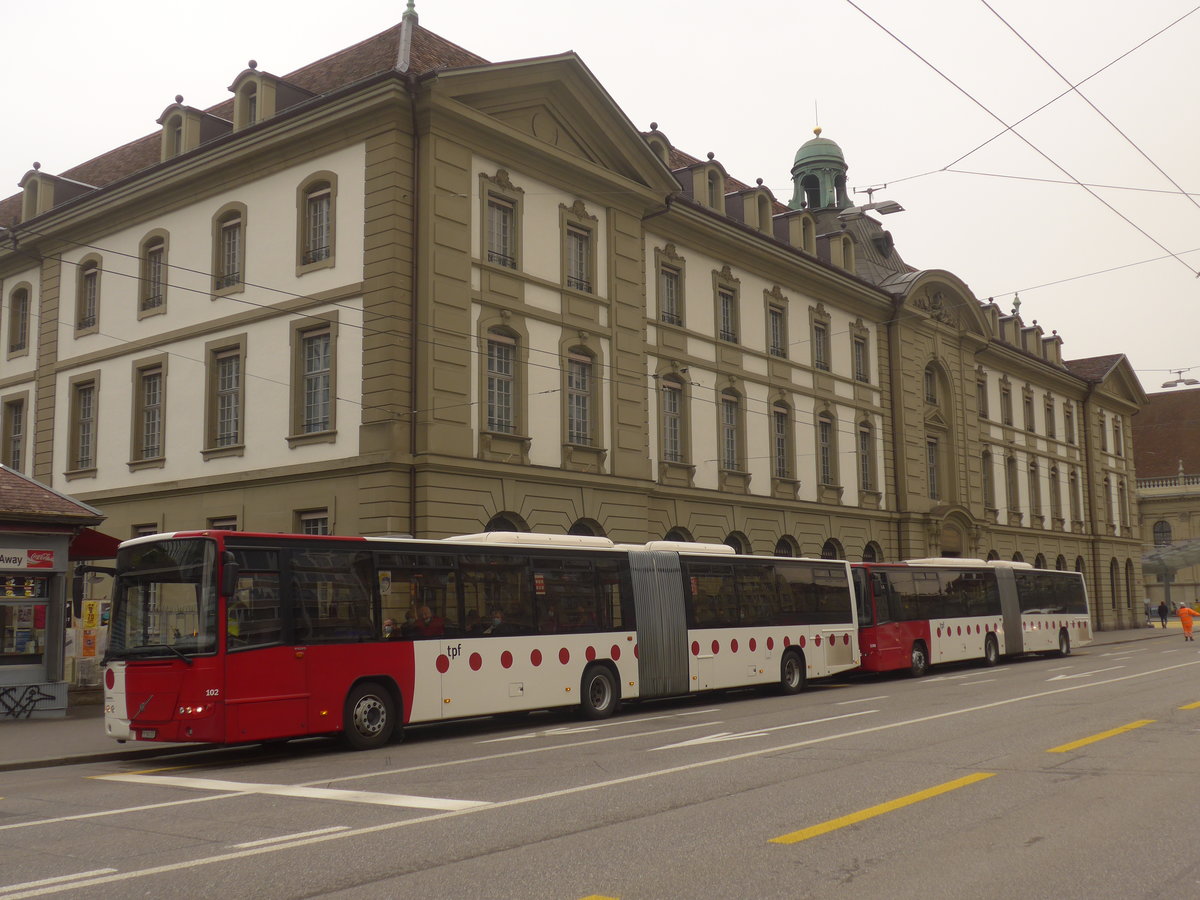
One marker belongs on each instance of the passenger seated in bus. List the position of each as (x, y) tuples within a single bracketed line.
[(427, 624), (497, 625), (389, 628), (408, 629)]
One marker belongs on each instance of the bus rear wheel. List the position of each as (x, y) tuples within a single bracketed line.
[(991, 651), (1064, 644), (791, 673), (369, 717), (598, 693), (918, 660)]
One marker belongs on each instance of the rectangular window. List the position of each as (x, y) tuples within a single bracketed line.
[(825, 469), (18, 321), (781, 423), (1028, 409), (14, 435), (862, 371), (729, 434), (149, 414), (930, 383), (223, 523), (777, 331), (866, 469), (1006, 410), (1103, 433), (981, 397), (727, 314), (820, 346), (1118, 447), (501, 233), (500, 357), (669, 306), (1055, 494), (317, 225), (83, 426), (89, 298), (672, 407), (579, 400), (1068, 423), (932, 470), (230, 256), (579, 258), (1051, 426), (314, 521), (315, 349), (154, 276), (225, 396)]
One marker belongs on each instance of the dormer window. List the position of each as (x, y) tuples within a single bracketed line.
[(715, 190), (175, 136), (764, 214)]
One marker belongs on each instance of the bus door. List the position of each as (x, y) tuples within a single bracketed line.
[(266, 683), (885, 640)]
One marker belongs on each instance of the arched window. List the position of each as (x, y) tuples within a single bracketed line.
[(87, 297), (18, 321), (152, 294), (1129, 584), (992, 556), (1061, 563), (1018, 557), (1114, 575), (315, 220), (872, 553), (832, 549), (506, 522), (586, 528), (786, 546), (1079, 565), (738, 541), (1162, 533), (229, 248), (1039, 561), (679, 534)]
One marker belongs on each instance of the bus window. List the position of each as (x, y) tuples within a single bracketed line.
[(332, 596), (409, 582), (254, 615), (862, 597), (713, 596), (501, 583), (813, 595), (566, 596), (758, 598), (972, 593)]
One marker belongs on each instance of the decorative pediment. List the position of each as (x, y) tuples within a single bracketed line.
[(935, 419), (555, 103), (944, 298)]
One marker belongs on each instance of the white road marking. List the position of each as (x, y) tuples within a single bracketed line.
[(981, 681), (957, 677), (519, 801), (287, 790), (290, 837), (57, 879), (863, 700), (763, 732), (579, 729), (1059, 668), (1085, 674)]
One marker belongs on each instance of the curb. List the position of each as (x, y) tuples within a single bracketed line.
[(106, 756)]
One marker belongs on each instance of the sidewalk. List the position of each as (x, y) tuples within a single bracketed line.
[(80, 738)]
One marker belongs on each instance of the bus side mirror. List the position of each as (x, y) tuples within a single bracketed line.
[(229, 574)]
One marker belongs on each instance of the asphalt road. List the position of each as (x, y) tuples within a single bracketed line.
[(1057, 778)]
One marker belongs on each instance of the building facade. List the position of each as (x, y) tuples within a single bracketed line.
[(406, 290)]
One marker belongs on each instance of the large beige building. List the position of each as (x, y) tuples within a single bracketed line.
[(405, 290)]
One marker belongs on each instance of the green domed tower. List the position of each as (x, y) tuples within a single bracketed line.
[(819, 175)]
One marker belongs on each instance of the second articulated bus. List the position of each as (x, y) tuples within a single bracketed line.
[(925, 611), (225, 637)]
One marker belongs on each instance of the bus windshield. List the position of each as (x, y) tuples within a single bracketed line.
[(165, 600)]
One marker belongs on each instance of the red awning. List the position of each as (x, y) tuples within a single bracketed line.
[(92, 544)]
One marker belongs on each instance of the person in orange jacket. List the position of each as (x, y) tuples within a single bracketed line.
[(1185, 614)]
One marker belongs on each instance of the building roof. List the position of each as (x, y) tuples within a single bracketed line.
[(1094, 369), (364, 59), (24, 500), (1166, 435)]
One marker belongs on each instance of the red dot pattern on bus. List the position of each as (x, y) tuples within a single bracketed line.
[(475, 660)]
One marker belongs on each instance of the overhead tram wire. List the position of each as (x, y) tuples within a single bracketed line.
[(1075, 88), (1023, 139)]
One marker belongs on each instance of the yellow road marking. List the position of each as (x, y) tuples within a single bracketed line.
[(160, 769), (1195, 705), (597, 897), (870, 813), (1075, 745)]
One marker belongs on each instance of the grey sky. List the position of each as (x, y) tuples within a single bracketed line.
[(742, 80)]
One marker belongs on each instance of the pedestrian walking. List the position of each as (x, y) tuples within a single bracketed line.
[(1185, 614), (1146, 604), (1162, 613)]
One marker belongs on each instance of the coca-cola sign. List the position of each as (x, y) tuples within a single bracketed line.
[(26, 559)]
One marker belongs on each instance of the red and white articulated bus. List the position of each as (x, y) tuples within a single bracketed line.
[(225, 637), (925, 611)]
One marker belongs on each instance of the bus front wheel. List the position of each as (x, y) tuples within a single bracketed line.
[(991, 651), (791, 673), (919, 660), (598, 693), (370, 716)]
